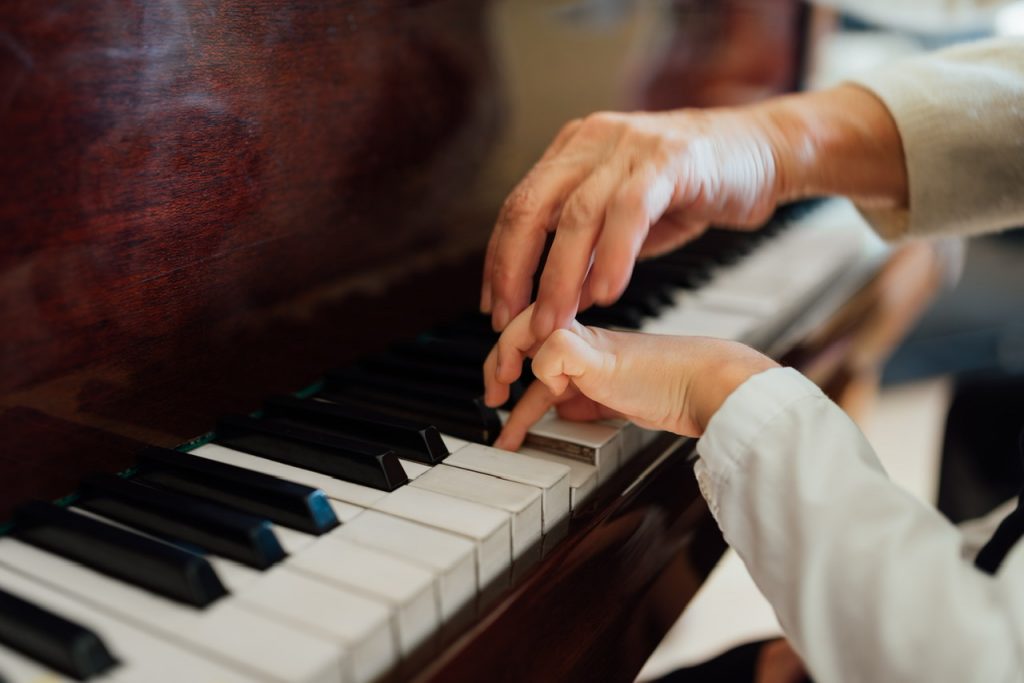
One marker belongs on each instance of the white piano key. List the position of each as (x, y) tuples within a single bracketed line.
[(522, 502), (453, 443), (825, 242), (370, 634), (582, 477), (363, 625), (407, 588), (451, 558), (758, 286), (630, 440), (551, 478), (17, 668), (693, 319), (225, 631), (364, 497), (413, 469), (345, 512), (142, 658), (291, 540), (489, 529), (590, 442)]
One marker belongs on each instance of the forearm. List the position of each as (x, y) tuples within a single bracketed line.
[(931, 146), (841, 141)]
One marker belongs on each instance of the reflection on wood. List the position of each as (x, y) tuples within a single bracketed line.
[(204, 203)]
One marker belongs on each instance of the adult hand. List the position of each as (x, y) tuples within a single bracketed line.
[(660, 382), (616, 187)]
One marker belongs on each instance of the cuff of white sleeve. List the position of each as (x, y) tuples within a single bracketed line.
[(734, 428)]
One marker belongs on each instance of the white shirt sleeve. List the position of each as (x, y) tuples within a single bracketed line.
[(868, 583)]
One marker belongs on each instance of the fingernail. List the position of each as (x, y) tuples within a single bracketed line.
[(504, 441), (500, 318)]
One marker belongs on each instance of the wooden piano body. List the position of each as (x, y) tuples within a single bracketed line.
[(205, 203)]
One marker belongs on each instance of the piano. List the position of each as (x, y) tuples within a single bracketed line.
[(241, 433)]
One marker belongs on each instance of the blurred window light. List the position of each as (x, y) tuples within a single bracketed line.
[(1010, 20)]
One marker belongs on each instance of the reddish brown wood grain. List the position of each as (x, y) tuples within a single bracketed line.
[(203, 202), (193, 193), (171, 164)]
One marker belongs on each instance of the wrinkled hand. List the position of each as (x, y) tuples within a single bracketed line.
[(616, 187), (660, 382)]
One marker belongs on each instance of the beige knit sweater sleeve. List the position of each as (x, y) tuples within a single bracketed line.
[(960, 113)]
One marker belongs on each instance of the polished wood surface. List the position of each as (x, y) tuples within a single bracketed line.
[(203, 203), (207, 202)]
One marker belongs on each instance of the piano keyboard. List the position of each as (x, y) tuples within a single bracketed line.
[(351, 532)]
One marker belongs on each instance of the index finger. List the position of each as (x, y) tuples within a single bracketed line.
[(531, 407), (520, 234), (504, 363)]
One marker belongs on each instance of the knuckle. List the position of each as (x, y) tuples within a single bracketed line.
[(602, 119), (502, 278), (570, 128), (517, 206), (630, 194), (578, 211)]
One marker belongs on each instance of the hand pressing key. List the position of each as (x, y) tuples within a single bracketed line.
[(619, 186), (616, 187), (660, 382)]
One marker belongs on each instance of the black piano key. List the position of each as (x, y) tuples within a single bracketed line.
[(787, 214), (465, 377), (412, 410), (462, 375), (175, 516), (418, 441), (423, 400), (438, 347), (52, 640), (313, 450), (283, 502), (474, 327), (161, 568), (647, 303), (719, 252), (625, 316), (682, 275), (458, 398)]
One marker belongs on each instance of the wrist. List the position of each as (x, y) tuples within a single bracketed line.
[(841, 141), (720, 379)]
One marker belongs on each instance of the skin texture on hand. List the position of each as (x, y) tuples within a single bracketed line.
[(660, 382), (620, 186), (616, 187)]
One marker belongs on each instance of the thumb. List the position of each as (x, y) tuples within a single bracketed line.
[(569, 356)]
